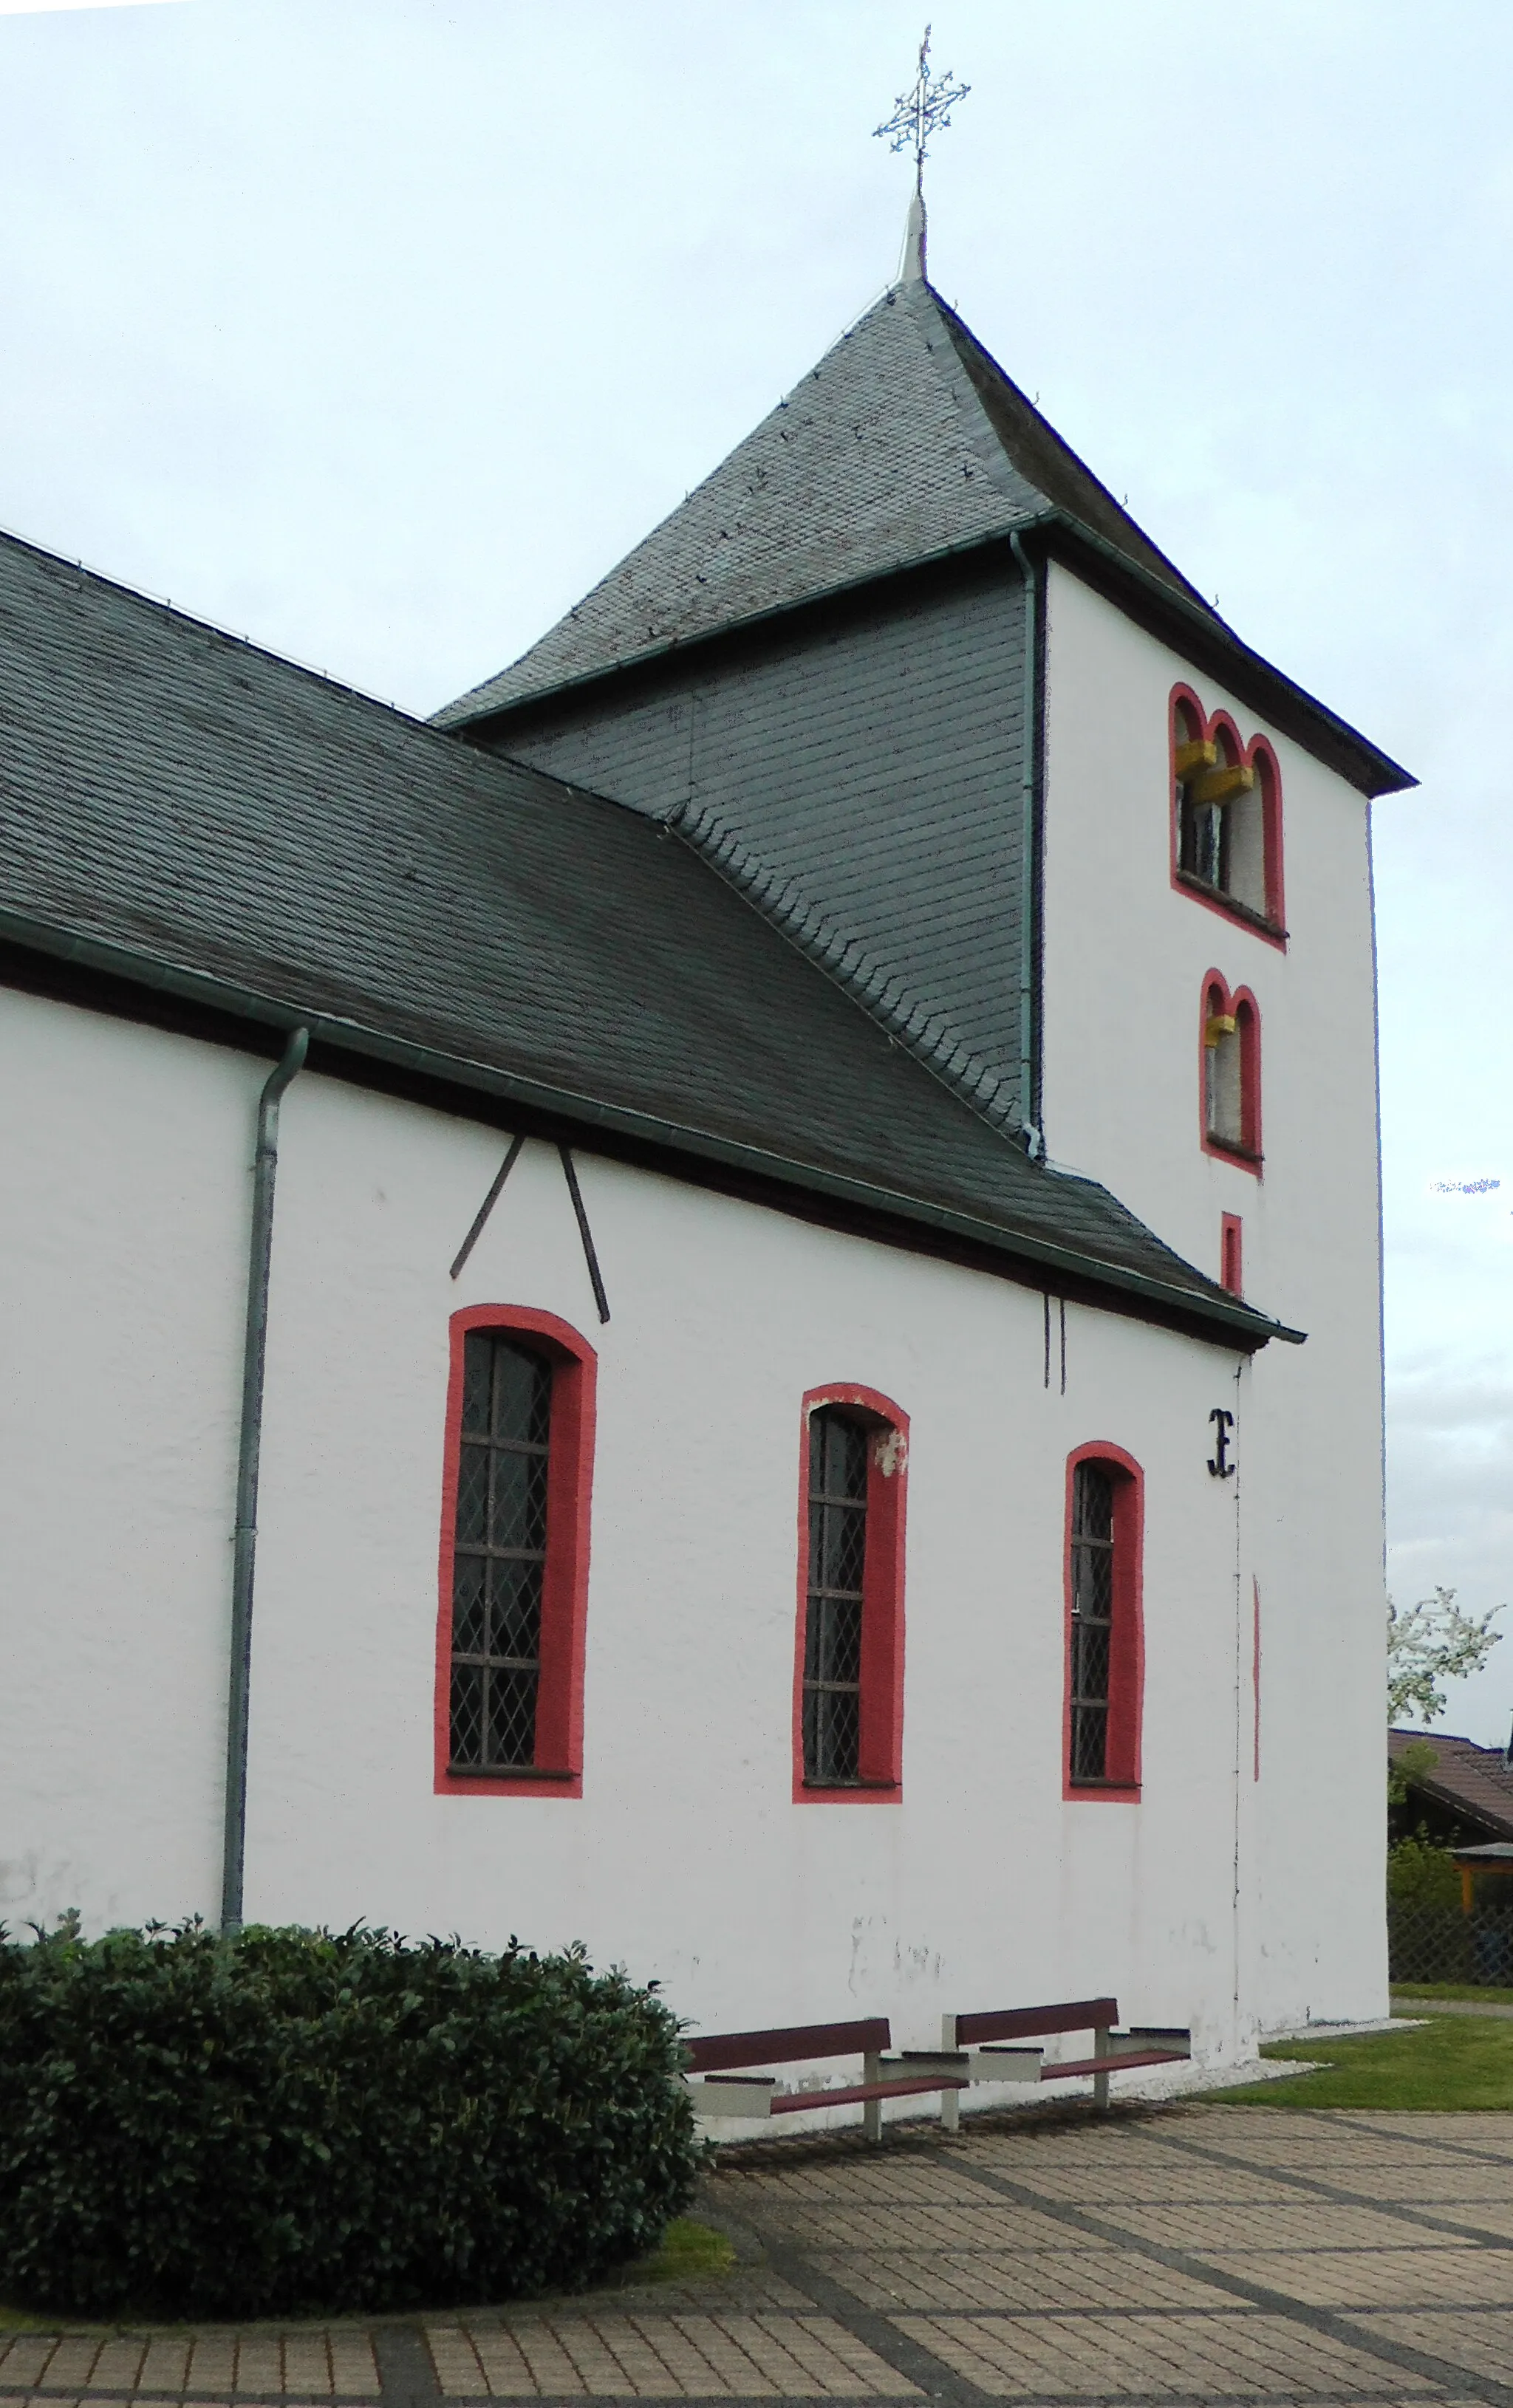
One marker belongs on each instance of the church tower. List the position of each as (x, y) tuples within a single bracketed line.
[(907, 673)]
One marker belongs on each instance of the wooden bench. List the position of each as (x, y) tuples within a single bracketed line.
[(724, 2090), (977, 2043)]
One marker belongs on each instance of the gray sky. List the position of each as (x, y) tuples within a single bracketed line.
[(379, 329)]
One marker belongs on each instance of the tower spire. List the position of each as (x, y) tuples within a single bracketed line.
[(918, 113)]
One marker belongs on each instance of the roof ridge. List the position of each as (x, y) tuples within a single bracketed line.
[(976, 426), (976, 361), (169, 608), (922, 1031)]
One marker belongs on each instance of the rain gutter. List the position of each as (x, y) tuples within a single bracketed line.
[(1028, 874), (249, 1451)]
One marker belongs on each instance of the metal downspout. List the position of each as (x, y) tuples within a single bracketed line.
[(264, 1169), (1035, 1135)]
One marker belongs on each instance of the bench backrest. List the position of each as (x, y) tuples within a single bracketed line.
[(1027, 2023), (718, 2052)]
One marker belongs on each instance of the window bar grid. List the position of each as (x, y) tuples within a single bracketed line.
[(499, 1555), (1092, 1619), (838, 1451)]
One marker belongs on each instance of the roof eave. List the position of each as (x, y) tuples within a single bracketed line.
[(1224, 1322), (1364, 765), (452, 718), (1441, 1794), (1212, 641)]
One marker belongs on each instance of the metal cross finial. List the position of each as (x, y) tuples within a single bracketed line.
[(922, 111)]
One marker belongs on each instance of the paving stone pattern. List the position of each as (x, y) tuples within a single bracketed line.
[(1179, 2255)]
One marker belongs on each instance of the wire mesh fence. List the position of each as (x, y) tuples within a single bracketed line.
[(1442, 1943)]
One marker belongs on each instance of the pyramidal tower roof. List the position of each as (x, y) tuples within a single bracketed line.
[(907, 441)]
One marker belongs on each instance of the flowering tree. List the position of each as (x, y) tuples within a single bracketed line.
[(1431, 1642)]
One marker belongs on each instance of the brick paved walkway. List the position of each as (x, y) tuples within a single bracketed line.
[(1188, 2254)]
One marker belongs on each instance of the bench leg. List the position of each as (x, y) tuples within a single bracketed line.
[(872, 2110), (950, 2100), (1101, 2045)]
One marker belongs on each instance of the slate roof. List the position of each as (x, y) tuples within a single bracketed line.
[(906, 441), (192, 814), (1475, 1782)]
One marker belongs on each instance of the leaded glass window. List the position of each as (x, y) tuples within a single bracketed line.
[(838, 1452), (1092, 1618), (500, 1551)]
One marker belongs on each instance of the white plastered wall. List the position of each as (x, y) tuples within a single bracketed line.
[(687, 1858), (123, 1230), (1125, 957)]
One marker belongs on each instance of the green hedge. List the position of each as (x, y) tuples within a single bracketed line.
[(301, 2120)]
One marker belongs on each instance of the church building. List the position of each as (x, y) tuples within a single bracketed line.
[(726, 1303)]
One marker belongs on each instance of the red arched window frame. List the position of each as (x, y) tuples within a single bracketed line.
[(1126, 1651), (1221, 1002), (558, 1766), (1218, 727), (880, 1767)]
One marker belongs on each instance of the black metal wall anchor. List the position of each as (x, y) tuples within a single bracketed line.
[(590, 1257), (487, 1205), (1219, 1462)]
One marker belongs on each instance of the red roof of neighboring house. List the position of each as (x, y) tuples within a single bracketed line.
[(1473, 1782)]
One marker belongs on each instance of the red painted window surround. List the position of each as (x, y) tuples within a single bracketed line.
[(882, 1609), (559, 1710), (1127, 1652), (1218, 727), (1219, 1001), (1231, 1252)]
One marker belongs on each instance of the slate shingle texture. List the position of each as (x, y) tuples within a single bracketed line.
[(174, 792), (871, 776), (907, 439)]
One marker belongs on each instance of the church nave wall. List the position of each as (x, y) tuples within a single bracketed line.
[(686, 1858)]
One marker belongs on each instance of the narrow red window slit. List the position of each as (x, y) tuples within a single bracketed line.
[(1230, 1253), (1105, 1634), (848, 1666), (515, 1511)]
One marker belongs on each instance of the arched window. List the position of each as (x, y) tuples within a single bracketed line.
[(514, 1555), (848, 1673), (1104, 1641), (1230, 1059), (1226, 816)]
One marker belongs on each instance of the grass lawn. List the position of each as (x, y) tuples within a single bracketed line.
[(1450, 2061), (687, 2250), (1452, 1990)]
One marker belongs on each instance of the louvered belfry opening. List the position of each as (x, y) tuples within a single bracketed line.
[(837, 1456), (1206, 850), (501, 1552), (1092, 1618), (1223, 1071)]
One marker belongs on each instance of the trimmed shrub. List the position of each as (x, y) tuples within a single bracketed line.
[(293, 2120)]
